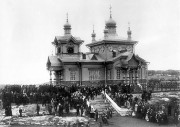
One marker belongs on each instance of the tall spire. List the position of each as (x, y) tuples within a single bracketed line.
[(67, 26), (93, 35), (110, 11), (67, 18), (129, 32)]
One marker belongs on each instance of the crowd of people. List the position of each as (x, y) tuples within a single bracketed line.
[(57, 98), (142, 108), (60, 99), (158, 113)]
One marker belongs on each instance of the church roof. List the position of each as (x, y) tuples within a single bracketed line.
[(54, 61), (140, 59), (125, 55), (67, 37), (69, 59), (89, 58), (112, 40)]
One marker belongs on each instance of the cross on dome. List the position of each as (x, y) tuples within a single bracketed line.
[(110, 11), (129, 25), (93, 35), (67, 17), (67, 26), (110, 22), (129, 32)]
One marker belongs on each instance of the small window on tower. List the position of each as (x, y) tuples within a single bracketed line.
[(70, 50), (59, 50)]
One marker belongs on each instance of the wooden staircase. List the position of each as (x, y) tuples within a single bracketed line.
[(101, 104)]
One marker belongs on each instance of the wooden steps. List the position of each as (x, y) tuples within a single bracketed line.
[(100, 104)]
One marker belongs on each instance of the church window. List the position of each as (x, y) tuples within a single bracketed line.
[(94, 75), (60, 75), (70, 50), (59, 50), (109, 74), (118, 73), (72, 75)]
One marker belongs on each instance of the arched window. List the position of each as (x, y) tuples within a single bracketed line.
[(59, 50), (70, 50)]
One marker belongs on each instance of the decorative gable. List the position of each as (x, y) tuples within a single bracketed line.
[(70, 43), (133, 62), (71, 39), (94, 57), (67, 38)]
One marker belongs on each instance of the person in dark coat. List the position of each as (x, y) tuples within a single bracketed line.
[(6, 111), (55, 105), (37, 109), (77, 109), (143, 112), (20, 112), (60, 110), (176, 116), (149, 95), (89, 109), (169, 109), (153, 115), (110, 111), (67, 108), (50, 109), (96, 114), (82, 110), (138, 111)]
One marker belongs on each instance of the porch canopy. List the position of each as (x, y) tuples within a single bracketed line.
[(54, 63)]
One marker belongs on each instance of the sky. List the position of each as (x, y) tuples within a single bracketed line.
[(27, 28)]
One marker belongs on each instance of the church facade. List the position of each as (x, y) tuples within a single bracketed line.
[(110, 61)]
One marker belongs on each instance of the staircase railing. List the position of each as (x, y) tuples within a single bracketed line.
[(121, 111)]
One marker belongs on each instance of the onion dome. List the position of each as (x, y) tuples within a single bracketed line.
[(67, 25), (110, 22)]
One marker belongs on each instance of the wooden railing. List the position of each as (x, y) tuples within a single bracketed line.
[(163, 86)]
